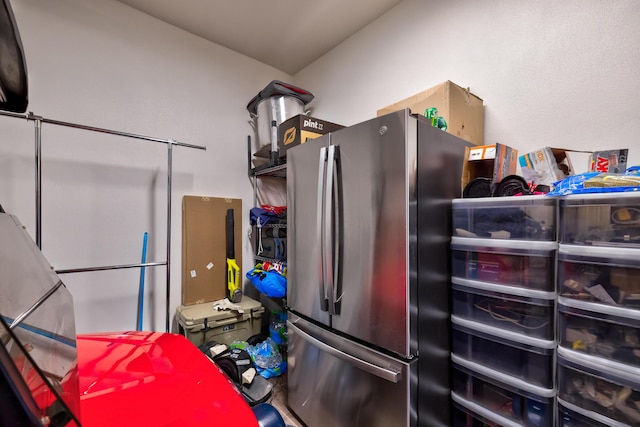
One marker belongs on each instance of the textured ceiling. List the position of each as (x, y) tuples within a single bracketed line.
[(286, 34)]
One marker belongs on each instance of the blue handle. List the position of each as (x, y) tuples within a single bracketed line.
[(141, 287)]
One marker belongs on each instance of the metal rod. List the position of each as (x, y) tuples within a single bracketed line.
[(116, 132), (170, 143), (32, 116), (38, 148), (10, 114), (110, 267), (169, 175), (35, 305)]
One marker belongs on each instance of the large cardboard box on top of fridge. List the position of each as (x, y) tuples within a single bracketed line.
[(462, 111), (204, 251)]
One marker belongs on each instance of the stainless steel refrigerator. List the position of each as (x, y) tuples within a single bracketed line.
[(368, 211)]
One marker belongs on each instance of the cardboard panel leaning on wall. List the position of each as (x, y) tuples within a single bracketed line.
[(462, 110), (204, 252)]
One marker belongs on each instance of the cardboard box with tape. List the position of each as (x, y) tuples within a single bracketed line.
[(493, 162), (462, 111), (204, 251)]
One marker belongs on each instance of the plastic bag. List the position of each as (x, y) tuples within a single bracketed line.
[(598, 182), (267, 358)]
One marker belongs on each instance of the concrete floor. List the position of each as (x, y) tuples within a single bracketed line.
[(279, 400)]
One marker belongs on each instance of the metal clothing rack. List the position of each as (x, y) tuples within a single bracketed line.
[(38, 121)]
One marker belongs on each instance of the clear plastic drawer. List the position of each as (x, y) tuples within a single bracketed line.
[(527, 217), (528, 265), (594, 386), (601, 219), (573, 416), (516, 400), (525, 358), (490, 305), (608, 276), (603, 333)]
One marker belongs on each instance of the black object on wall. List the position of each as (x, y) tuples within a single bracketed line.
[(13, 68)]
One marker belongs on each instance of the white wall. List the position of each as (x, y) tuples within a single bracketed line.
[(103, 64), (559, 73), (552, 73)]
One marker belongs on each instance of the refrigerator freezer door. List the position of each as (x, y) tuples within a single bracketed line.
[(307, 291), (336, 382), (373, 199)]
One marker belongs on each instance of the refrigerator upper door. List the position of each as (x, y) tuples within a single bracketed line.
[(307, 291), (372, 198)]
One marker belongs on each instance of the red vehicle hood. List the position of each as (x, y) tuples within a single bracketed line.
[(154, 379)]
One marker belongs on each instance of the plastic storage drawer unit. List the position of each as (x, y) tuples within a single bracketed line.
[(514, 399), (600, 274), (607, 332), (522, 264), (573, 416), (489, 304), (605, 219), (470, 414), (526, 358), (201, 323), (526, 218), (599, 386)]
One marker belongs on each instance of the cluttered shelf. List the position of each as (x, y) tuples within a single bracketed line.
[(269, 169)]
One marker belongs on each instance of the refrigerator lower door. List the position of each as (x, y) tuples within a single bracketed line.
[(335, 382)]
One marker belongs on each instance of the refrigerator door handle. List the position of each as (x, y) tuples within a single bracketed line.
[(324, 298), (385, 374), (327, 214)]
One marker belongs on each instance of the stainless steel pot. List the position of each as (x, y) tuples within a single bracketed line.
[(274, 109)]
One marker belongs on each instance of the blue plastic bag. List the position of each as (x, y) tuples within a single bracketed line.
[(270, 283), (267, 358)]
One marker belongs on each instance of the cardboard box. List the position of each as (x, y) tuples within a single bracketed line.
[(300, 129), (204, 252), (462, 110), (546, 165), (611, 161), (488, 161)]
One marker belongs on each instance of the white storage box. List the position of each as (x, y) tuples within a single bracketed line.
[(200, 323), (521, 218)]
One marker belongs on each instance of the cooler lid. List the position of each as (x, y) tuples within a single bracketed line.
[(196, 313)]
